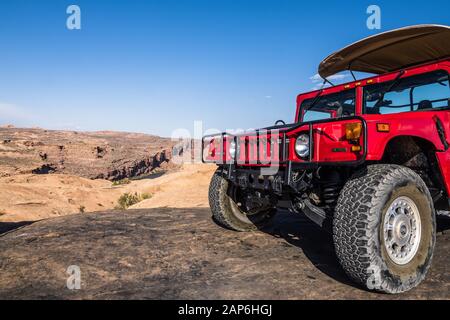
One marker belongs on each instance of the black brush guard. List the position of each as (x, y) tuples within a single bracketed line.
[(232, 169)]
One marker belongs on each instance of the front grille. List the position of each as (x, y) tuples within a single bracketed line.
[(257, 148), (260, 150)]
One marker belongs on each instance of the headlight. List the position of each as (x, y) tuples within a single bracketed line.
[(302, 145), (232, 149)]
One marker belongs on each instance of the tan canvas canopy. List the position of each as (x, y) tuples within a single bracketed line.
[(390, 51)]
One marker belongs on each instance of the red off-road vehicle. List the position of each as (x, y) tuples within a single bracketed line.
[(369, 159)]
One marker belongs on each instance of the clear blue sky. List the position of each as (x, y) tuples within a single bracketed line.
[(153, 66)]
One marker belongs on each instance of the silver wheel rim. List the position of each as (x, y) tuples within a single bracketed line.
[(402, 230)]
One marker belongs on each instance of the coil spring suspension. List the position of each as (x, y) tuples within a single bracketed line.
[(330, 193)]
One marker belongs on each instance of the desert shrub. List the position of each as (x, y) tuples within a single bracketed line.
[(128, 199), (145, 196), (121, 182), (82, 209)]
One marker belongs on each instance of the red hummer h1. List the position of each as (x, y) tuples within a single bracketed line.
[(369, 159)]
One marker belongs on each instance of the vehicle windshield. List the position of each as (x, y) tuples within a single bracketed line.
[(335, 105)]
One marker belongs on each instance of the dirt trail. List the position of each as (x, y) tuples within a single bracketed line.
[(185, 188), (172, 253)]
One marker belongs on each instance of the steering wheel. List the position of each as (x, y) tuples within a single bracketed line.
[(280, 121)]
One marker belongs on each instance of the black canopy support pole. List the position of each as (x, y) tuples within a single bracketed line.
[(351, 71), (325, 80)]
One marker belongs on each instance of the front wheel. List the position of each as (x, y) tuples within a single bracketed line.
[(384, 228), (227, 203)]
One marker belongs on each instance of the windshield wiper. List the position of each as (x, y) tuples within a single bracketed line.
[(388, 89), (314, 102)]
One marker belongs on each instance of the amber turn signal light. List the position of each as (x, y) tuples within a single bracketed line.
[(356, 148), (353, 131), (383, 127)]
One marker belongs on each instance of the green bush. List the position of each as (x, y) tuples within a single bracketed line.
[(128, 199)]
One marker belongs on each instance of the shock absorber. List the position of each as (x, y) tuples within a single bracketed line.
[(331, 184)]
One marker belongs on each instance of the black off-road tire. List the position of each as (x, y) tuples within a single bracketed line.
[(226, 212), (358, 224)]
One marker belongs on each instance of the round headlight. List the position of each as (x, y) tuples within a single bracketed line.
[(302, 145), (232, 149)]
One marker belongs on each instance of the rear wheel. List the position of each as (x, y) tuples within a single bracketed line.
[(236, 209), (384, 228)]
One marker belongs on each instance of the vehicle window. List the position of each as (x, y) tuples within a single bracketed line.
[(336, 105), (433, 92), (417, 93), (316, 115)]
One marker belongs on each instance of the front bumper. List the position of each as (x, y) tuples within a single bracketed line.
[(269, 179), (254, 179)]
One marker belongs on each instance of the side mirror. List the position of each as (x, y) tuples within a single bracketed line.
[(283, 123)]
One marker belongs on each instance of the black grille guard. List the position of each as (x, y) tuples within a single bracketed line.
[(284, 159)]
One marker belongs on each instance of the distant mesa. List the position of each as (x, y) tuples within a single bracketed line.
[(95, 155)]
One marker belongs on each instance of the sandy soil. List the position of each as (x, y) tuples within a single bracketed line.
[(34, 197), (31, 197)]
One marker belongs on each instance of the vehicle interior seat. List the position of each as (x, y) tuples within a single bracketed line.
[(425, 104)]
